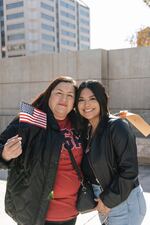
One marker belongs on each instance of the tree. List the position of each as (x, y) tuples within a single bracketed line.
[(143, 37), (147, 2)]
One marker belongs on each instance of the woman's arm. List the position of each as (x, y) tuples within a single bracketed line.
[(10, 144), (125, 152), (12, 148)]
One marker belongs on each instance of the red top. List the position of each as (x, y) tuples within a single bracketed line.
[(63, 205)]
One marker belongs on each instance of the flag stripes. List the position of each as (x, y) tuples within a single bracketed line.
[(31, 115)]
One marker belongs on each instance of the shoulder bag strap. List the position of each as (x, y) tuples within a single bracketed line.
[(75, 166)]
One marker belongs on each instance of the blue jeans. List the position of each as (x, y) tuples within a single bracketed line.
[(129, 212), (97, 190)]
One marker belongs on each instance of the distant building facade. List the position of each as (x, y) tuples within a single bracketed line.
[(2, 31), (38, 26)]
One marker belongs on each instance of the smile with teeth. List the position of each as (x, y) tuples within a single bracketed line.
[(88, 110)]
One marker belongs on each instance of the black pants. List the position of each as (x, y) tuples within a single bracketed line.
[(68, 222)]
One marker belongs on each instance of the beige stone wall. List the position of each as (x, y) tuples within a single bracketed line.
[(125, 73), (129, 72), (25, 77), (143, 150)]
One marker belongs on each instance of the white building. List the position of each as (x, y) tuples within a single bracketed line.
[(37, 26)]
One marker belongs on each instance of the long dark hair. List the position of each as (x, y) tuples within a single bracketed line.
[(100, 94), (41, 101)]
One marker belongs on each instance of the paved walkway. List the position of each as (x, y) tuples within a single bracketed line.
[(88, 218)]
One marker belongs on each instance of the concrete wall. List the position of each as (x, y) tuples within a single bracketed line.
[(25, 77), (129, 80), (125, 73)]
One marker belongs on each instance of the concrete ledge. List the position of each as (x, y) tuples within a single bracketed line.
[(143, 145)]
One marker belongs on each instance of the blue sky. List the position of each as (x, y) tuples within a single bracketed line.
[(114, 21)]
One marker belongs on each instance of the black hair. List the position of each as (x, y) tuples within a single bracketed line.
[(100, 94)]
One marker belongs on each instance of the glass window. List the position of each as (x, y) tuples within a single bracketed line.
[(82, 47), (84, 13), (2, 28), (84, 30), (67, 42), (1, 19), (1, 3), (15, 15), (46, 6), (68, 15), (14, 5), (12, 37), (15, 26), (48, 37), (47, 17), (47, 27), (68, 6), (67, 33), (16, 47), (1, 13), (86, 22), (67, 24), (83, 38)]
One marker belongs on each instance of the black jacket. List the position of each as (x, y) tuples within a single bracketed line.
[(32, 175), (113, 158)]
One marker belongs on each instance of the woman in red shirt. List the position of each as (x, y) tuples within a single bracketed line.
[(42, 183)]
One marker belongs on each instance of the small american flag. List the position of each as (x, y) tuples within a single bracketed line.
[(31, 115)]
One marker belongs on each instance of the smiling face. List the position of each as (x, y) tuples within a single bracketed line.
[(61, 100), (89, 107)]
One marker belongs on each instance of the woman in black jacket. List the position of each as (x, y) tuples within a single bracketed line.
[(42, 184), (110, 160)]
